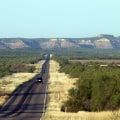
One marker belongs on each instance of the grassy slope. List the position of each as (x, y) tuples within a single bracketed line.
[(9, 83), (59, 85)]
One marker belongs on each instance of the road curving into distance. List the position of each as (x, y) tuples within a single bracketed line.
[(28, 102)]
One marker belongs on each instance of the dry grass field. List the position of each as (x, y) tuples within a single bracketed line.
[(9, 83), (59, 84)]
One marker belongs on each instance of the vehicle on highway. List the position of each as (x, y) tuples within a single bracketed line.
[(39, 80)]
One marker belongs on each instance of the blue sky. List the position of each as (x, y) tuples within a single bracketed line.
[(59, 18)]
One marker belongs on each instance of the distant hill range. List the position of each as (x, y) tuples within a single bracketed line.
[(102, 41)]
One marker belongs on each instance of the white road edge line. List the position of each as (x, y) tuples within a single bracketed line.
[(44, 102)]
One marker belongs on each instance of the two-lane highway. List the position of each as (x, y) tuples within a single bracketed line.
[(28, 102)]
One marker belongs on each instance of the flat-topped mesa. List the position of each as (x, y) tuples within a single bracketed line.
[(103, 41)]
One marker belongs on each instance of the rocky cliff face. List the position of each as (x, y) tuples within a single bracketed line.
[(103, 43), (12, 43), (58, 43), (99, 41)]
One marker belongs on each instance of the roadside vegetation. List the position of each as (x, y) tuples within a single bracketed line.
[(58, 87), (10, 82), (96, 89), (15, 61), (17, 67)]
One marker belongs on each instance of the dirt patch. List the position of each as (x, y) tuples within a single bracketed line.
[(3, 99)]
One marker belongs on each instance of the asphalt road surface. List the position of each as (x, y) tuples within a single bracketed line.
[(28, 102)]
